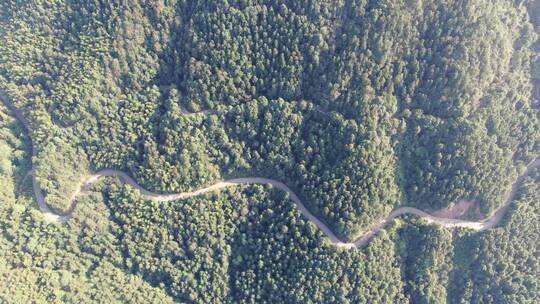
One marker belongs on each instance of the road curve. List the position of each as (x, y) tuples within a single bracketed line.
[(360, 241)]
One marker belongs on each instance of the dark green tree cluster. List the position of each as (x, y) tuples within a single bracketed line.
[(247, 244), (46, 263), (359, 105), (426, 252), (502, 265)]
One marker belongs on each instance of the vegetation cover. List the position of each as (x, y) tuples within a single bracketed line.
[(358, 106)]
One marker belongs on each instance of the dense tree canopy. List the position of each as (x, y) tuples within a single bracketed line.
[(247, 244), (358, 106)]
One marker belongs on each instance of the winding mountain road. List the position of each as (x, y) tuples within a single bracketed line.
[(363, 239)]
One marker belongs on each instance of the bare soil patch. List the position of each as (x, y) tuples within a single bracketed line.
[(457, 211)]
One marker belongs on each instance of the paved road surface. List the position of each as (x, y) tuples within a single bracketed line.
[(490, 222)]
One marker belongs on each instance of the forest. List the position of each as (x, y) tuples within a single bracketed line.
[(359, 106)]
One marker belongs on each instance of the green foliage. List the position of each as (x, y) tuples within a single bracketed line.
[(359, 106), (502, 265), (60, 173), (246, 245), (427, 262)]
